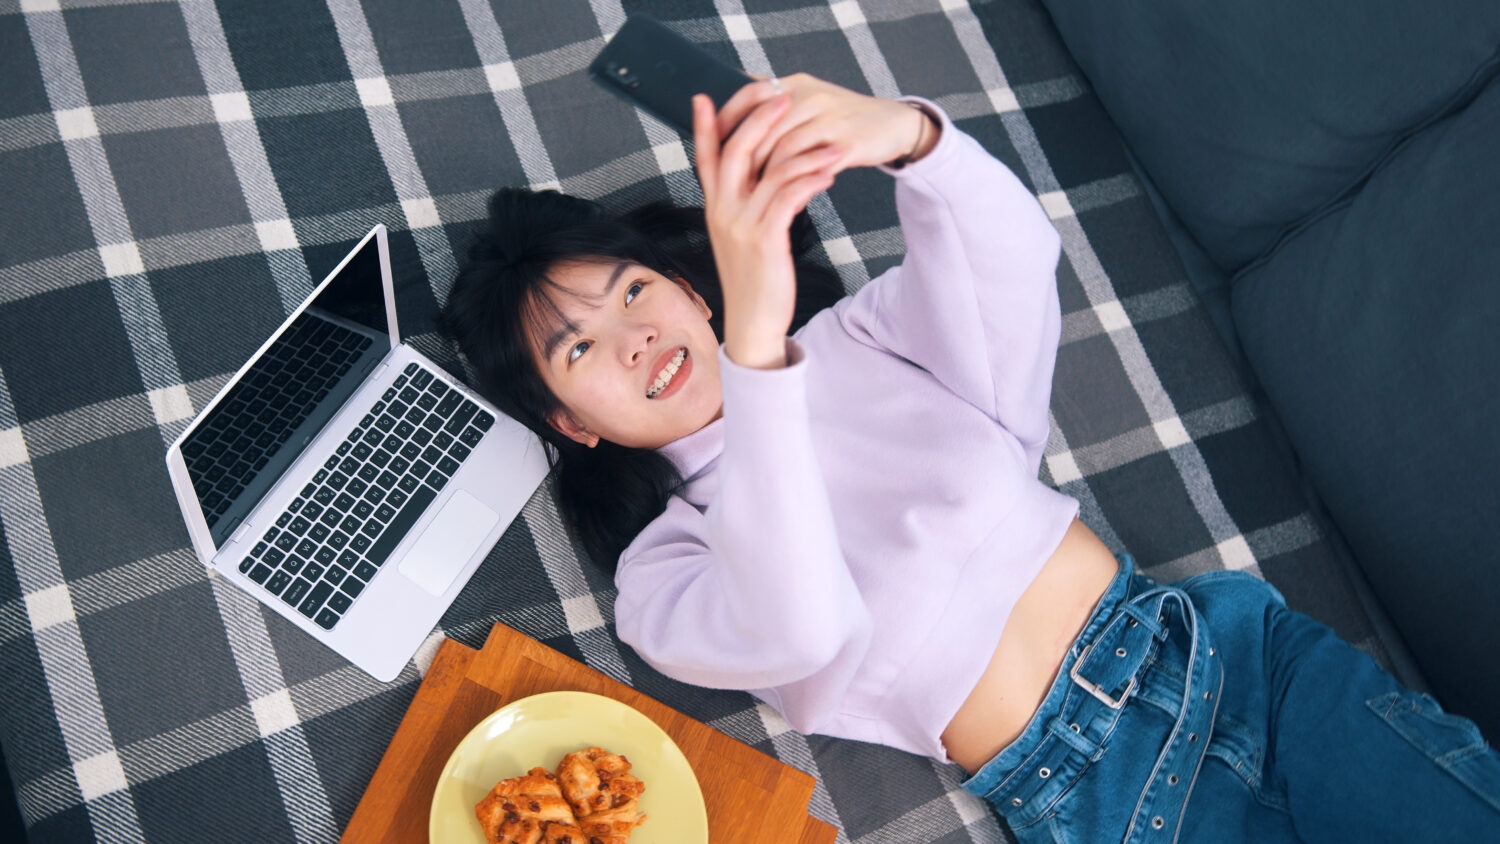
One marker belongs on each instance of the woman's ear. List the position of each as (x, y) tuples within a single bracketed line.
[(693, 294), (565, 423)]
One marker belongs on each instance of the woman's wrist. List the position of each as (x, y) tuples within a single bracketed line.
[(924, 130), (755, 350)]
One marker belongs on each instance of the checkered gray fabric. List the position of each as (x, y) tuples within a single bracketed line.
[(177, 175)]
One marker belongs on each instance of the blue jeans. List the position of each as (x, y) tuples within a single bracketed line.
[(1208, 711)]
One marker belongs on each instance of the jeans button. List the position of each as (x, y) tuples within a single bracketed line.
[(1044, 773), (1157, 822), (1015, 801)]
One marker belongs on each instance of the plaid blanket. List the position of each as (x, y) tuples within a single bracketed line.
[(178, 175)]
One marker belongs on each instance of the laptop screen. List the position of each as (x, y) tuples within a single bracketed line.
[(242, 446)]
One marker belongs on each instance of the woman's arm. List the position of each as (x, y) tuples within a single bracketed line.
[(753, 592), (975, 300)]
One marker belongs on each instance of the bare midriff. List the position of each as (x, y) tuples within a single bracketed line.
[(1042, 626)]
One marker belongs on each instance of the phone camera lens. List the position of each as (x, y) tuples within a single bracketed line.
[(623, 71)]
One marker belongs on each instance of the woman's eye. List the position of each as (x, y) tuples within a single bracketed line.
[(577, 350), (633, 291)]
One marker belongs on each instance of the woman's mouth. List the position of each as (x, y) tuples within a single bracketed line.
[(670, 375)]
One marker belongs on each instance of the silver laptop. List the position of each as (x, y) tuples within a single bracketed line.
[(346, 481)]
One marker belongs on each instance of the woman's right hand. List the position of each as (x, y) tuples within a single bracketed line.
[(749, 214)]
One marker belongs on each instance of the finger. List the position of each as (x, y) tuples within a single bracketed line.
[(742, 103), (706, 145), (793, 197), (734, 157), (798, 140), (776, 179), (797, 117)]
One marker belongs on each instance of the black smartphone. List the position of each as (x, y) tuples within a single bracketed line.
[(655, 68)]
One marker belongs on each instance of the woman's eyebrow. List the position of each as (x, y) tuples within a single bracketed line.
[(569, 328)]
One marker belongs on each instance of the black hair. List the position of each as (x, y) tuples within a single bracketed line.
[(609, 493)]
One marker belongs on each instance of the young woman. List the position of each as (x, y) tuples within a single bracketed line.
[(847, 521)]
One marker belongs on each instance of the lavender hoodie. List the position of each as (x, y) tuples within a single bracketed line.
[(856, 528)]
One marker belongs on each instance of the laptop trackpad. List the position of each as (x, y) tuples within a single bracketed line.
[(448, 542)]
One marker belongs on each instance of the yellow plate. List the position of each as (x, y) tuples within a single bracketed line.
[(539, 731)]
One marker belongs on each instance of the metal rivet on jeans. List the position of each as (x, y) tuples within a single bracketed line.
[(1192, 736), (1015, 801), (1119, 652), (1208, 695), (1211, 651), (1044, 773), (1134, 623), (1172, 779), (1157, 822), (1074, 728)]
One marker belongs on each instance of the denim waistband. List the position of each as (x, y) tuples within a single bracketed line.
[(1100, 675)]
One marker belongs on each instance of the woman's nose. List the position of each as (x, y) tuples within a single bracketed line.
[(639, 343)]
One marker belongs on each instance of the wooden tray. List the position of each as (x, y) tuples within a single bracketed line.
[(750, 796)]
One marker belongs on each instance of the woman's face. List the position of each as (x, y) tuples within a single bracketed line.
[(629, 353)]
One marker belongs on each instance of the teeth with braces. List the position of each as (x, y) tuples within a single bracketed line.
[(664, 377)]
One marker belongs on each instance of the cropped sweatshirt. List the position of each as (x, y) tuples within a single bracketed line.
[(854, 531)]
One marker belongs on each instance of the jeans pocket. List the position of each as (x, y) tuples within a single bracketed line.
[(1452, 742)]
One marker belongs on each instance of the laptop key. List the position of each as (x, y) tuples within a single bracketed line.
[(295, 591), (396, 498), (354, 586), (405, 429), (438, 480), (318, 532), (389, 394), (408, 484), (461, 417), (338, 540), (313, 571), (421, 437), (381, 457), (349, 466), (324, 555), (326, 619), (286, 542), (337, 480), (364, 571), (314, 600), (356, 487), (247, 564), (400, 526), (324, 495), (411, 369), (278, 582), (348, 559), (385, 513), (321, 476), (273, 556), (259, 572), (363, 509), (442, 440), (339, 602), (345, 502), (260, 548), (331, 517), (371, 528), (411, 451), (471, 436), (392, 444), (374, 494), (449, 404), (343, 449), (386, 480), (362, 452), (438, 388), (432, 454), (349, 525), (300, 526), (283, 520), (421, 379), (294, 564), (420, 469), (360, 543), (335, 575), (331, 462), (427, 401), (459, 452), (408, 395), (484, 420), (306, 547), (399, 465), (448, 466)]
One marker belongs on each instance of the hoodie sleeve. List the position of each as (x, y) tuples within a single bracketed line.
[(975, 300), (752, 592)]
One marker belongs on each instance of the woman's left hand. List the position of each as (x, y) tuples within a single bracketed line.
[(868, 130)]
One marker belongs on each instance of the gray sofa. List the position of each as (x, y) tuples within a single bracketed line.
[(1330, 174)]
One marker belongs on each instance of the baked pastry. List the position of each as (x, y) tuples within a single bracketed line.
[(592, 799), (602, 792), (518, 810)]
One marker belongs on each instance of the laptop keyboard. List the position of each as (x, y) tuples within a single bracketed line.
[(338, 532), (236, 444)]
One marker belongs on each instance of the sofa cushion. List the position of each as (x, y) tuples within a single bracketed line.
[(1373, 332), (1251, 114)]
